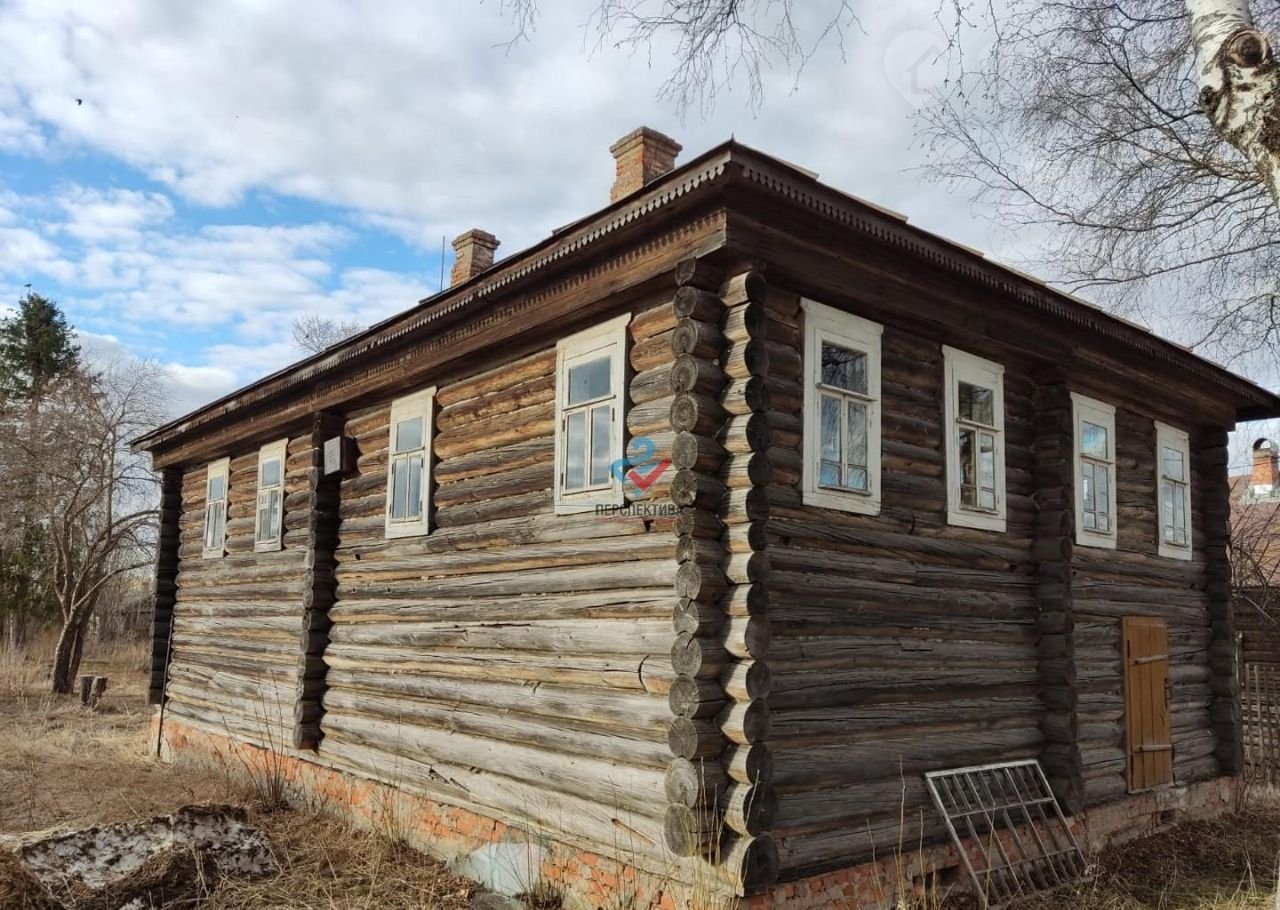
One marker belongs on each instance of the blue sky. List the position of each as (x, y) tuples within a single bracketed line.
[(233, 165), (187, 179)]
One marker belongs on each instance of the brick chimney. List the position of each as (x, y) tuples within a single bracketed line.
[(1266, 471), (472, 254), (642, 156)]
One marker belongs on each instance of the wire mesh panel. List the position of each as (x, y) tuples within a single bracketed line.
[(1018, 839)]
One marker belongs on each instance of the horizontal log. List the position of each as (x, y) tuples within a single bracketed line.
[(695, 698), (745, 723), (695, 783), (750, 808), (691, 831), (695, 739), (749, 764), (703, 340), (695, 303), (747, 680)]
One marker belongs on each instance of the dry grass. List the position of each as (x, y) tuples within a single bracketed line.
[(1227, 864), (62, 765)]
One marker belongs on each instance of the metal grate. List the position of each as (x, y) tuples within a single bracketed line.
[(1019, 841)]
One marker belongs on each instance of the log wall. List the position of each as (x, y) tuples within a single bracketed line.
[(1133, 580), (235, 636), (900, 644), (513, 661)]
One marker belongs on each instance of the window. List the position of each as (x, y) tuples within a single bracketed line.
[(1095, 471), (269, 518), (841, 410), (1173, 485), (215, 509), (975, 441), (590, 388), (409, 465)]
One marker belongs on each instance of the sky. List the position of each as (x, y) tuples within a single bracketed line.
[(186, 179)]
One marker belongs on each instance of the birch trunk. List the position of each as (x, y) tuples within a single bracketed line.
[(1239, 82)]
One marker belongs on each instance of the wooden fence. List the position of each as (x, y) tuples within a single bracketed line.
[(1260, 713)]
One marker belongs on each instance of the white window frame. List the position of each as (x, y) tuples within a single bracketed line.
[(608, 336), (961, 366), (220, 468), (825, 323), (271, 451), (1104, 415), (1168, 437), (420, 404)]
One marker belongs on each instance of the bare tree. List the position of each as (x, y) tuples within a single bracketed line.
[(315, 333), (1087, 118), (717, 42), (1146, 131), (71, 470)]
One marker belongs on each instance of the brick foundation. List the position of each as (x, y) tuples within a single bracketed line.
[(587, 880)]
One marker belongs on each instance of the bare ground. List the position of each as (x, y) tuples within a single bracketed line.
[(64, 766)]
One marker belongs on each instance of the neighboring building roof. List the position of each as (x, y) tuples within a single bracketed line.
[(1255, 520), (730, 161)]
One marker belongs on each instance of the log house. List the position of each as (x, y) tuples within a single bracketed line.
[(718, 517)]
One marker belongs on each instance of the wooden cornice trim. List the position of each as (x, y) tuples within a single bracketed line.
[(429, 351), (890, 228)]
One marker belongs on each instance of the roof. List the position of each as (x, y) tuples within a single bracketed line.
[(1255, 533), (728, 161)]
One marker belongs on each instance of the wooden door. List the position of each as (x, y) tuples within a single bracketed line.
[(1146, 702)]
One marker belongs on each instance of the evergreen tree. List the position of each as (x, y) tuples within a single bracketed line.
[(35, 347)]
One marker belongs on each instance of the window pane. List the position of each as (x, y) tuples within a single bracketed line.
[(601, 444), (217, 486), (829, 474), (967, 446), (398, 484), (210, 519), (977, 404), (590, 380), (220, 524), (843, 368), (1173, 464), (413, 495), (269, 473), (275, 514), (264, 516), (987, 462), (575, 451), (1167, 496), (409, 435), (831, 430), (856, 454), (1102, 501), (1093, 440)]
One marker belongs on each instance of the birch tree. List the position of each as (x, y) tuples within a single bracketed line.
[(1239, 82)]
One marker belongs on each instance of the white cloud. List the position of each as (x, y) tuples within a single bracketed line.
[(416, 118)]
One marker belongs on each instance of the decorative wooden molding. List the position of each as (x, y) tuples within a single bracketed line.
[(393, 365), (318, 588)]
